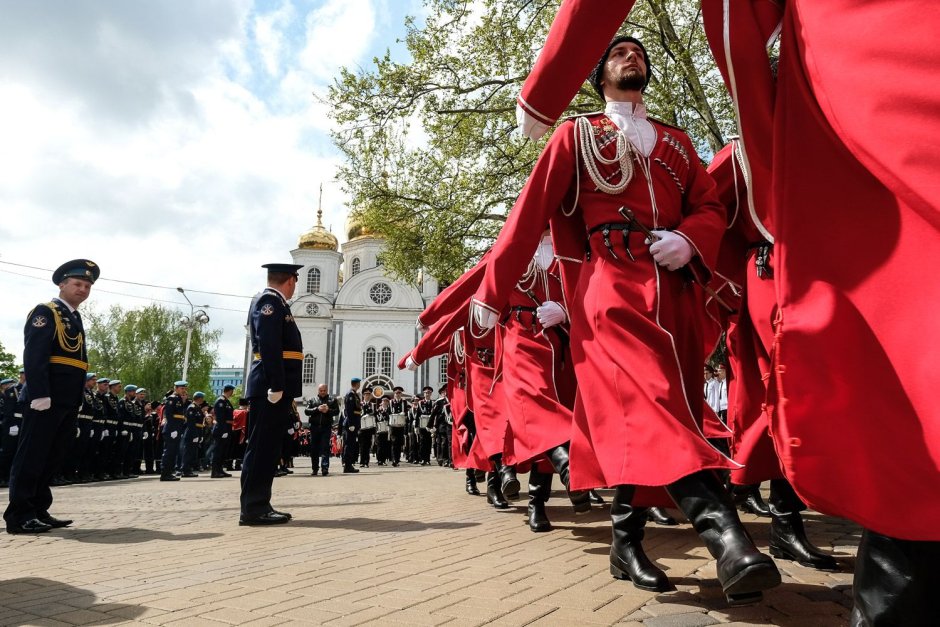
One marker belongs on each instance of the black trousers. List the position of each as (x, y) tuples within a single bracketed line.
[(44, 437), (266, 425), (424, 446), (320, 445), (365, 445), (190, 451), (350, 447), (171, 451), (8, 446), (220, 452), (396, 436), (382, 450), (146, 445)]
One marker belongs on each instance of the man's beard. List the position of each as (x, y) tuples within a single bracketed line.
[(631, 80)]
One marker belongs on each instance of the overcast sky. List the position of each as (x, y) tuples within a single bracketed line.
[(175, 143)]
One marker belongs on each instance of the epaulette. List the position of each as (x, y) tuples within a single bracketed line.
[(574, 116)]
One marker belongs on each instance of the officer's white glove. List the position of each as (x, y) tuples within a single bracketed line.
[(40, 404), (174, 434), (410, 364), (104, 434), (224, 435), (132, 438), (78, 432), (144, 435), (352, 428), (483, 317), (290, 431), (14, 430), (550, 313), (91, 433), (124, 434), (195, 440), (671, 251), (274, 397)]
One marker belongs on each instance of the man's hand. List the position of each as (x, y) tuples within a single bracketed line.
[(274, 397), (40, 404), (124, 434), (324, 408), (290, 431), (352, 429), (104, 434), (224, 435), (410, 364), (196, 440), (483, 317), (550, 313), (174, 434), (671, 251), (14, 430), (144, 435)]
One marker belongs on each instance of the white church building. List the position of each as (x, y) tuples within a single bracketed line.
[(355, 319)]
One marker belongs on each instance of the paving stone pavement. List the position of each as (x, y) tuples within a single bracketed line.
[(387, 546)]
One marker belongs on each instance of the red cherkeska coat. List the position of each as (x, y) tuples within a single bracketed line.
[(855, 212), (635, 327)]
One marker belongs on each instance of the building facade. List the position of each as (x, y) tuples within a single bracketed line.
[(220, 377), (355, 319)]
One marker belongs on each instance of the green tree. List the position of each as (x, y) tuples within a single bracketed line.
[(8, 366), (146, 347), (431, 160)]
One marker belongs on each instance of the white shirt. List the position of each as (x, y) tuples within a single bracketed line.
[(632, 122), (713, 393)]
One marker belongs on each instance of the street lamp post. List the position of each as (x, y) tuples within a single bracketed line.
[(196, 317)]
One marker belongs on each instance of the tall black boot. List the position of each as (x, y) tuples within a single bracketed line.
[(895, 582), (743, 571), (787, 535), (540, 487), (596, 498), (509, 484), (749, 500), (627, 558), (472, 483), (494, 496), (659, 516), (580, 499)]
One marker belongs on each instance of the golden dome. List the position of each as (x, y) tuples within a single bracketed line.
[(318, 238), (355, 229)]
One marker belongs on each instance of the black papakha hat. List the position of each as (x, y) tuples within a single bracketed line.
[(597, 75), (77, 269)]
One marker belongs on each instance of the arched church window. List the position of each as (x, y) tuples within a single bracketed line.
[(356, 266), (369, 362), (313, 280), (387, 357), (309, 369), (380, 293)]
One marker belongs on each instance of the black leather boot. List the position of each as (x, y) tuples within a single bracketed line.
[(659, 516), (627, 558), (743, 571), (749, 500), (596, 498), (580, 499), (787, 536), (540, 487), (472, 483), (509, 484), (895, 582), (494, 495)]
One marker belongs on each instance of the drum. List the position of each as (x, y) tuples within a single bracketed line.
[(381, 426), (397, 420), (368, 422), (424, 420)]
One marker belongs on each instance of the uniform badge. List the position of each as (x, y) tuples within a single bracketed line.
[(40, 321), (267, 310)]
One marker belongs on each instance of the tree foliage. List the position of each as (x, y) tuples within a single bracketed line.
[(432, 161), (146, 347), (8, 366)]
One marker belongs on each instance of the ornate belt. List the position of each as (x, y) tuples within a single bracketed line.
[(285, 355), (68, 361)]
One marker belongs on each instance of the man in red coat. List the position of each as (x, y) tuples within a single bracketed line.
[(603, 182)]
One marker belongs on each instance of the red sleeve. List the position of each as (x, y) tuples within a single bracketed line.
[(540, 200), (455, 295), (437, 340)]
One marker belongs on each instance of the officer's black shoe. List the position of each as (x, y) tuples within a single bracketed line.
[(325, 472), (659, 516), (540, 487), (189, 475), (271, 518), (287, 515), (59, 481), (749, 500), (349, 468), (628, 560), (219, 475), (787, 536), (472, 488), (596, 498), (743, 571), (493, 494), (34, 525), (313, 473), (280, 473), (55, 523), (580, 499), (169, 478), (395, 464)]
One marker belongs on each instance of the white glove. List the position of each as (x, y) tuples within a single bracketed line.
[(352, 428), (144, 435), (14, 430), (195, 440), (274, 397), (91, 434), (104, 434), (124, 433), (296, 425), (173, 434), (290, 431), (132, 438), (483, 317), (410, 364), (671, 251), (78, 432), (224, 435), (40, 404), (550, 313)]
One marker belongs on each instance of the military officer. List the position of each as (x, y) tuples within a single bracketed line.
[(192, 434), (124, 430), (174, 421), (76, 468), (148, 435), (109, 444), (222, 431), (55, 360), (352, 421), (136, 451), (441, 420), (274, 381), (11, 418), (398, 409)]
